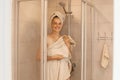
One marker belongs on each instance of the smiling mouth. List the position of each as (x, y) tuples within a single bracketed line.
[(57, 28)]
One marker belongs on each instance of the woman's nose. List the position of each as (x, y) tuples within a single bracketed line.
[(57, 25)]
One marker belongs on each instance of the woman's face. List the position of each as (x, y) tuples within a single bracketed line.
[(56, 24)]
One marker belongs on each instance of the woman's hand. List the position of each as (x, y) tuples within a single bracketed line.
[(66, 40)]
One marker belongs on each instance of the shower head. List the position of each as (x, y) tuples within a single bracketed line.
[(62, 4)]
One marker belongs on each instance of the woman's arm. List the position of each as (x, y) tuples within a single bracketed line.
[(55, 57), (67, 42)]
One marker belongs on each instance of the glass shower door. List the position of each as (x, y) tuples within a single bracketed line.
[(88, 26), (27, 39)]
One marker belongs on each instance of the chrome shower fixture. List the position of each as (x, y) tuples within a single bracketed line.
[(62, 4)]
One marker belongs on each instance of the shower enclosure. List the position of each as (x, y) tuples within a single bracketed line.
[(31, 26)]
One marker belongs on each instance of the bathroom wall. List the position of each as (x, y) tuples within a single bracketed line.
[(75, 30), (28, 40), (103, 24), (99, 23)]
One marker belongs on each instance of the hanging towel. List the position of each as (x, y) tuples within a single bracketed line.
[(105, 56)]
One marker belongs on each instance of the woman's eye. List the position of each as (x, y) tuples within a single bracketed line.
[(59, 23), (54, 23)]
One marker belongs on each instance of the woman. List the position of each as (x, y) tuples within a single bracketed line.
[(59, 50)]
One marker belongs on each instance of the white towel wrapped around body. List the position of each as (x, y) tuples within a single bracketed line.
[(59, 69)]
